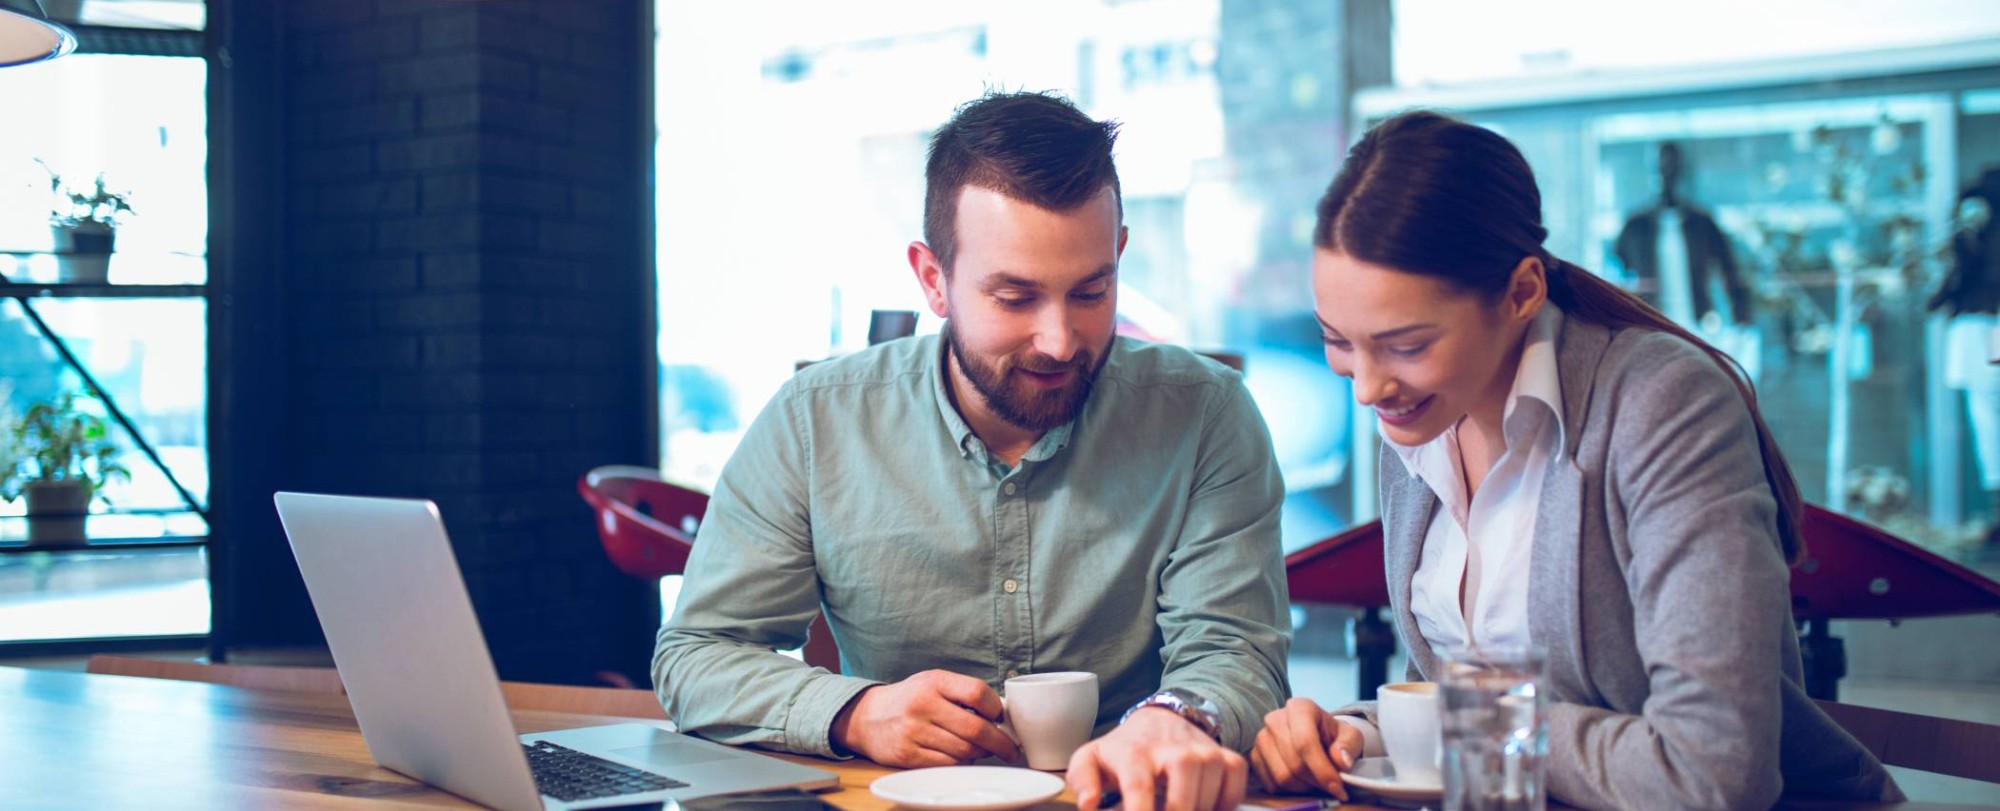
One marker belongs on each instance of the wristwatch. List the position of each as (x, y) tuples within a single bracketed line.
[(1198, 711)]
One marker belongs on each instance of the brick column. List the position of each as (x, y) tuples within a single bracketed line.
[(466, 298)]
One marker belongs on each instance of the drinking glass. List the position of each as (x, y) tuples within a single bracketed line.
[(1495, 734)]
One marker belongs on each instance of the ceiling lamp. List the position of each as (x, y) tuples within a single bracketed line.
[(27, 35)]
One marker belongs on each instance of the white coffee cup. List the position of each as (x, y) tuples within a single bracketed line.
[(1407, 713), (1050, 715)]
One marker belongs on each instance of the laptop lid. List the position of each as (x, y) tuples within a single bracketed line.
[(397, 617)]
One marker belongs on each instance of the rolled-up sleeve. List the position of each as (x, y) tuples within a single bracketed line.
[(1223, 601), (751, 590)]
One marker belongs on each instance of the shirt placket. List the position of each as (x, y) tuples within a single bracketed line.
[(1014, 642)]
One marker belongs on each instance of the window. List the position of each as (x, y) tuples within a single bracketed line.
[(791, 155), (141, 333)]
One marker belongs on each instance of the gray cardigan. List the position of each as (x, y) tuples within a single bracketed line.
[(1660, 592)]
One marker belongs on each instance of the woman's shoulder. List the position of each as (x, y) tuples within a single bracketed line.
[(1641, 362), (1655, 389)]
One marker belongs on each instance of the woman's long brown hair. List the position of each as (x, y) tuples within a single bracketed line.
[(1428, 194)]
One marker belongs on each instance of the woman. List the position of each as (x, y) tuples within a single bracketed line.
[(1562, 466)]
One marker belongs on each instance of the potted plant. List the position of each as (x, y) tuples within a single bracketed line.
[(84, 223), (58, 455)]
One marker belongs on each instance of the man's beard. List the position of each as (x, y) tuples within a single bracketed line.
[(1021, 403)]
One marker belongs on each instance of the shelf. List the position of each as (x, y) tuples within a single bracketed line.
[(170, 273), (106, 545), (25, 290)]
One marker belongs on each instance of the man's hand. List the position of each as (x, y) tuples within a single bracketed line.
[(934, 718), (1156, 759), (1302, 749)]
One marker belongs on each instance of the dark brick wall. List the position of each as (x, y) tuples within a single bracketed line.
[(464, 311)]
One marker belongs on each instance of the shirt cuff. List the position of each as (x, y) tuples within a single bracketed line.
[(1371, 738), (809, 728), (1228, 730)]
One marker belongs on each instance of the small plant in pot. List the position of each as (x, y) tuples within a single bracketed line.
[(84, 222), (58, 455)]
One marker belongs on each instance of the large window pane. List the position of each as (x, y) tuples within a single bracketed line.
[(151, 356), (793, 139), (157, 592), (141, 122)]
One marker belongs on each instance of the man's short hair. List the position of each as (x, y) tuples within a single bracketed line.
[(1037, 148)]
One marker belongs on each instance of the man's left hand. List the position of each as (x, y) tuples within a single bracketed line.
[(1156, 759)]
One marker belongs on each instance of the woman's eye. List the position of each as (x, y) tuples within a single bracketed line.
[(1409, 351), (1089, 298), (1336, 343)]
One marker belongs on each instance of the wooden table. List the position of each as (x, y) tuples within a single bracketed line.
[(72, 740), (78, 741)]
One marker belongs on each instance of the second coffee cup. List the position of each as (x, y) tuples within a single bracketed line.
[(1407, 713)]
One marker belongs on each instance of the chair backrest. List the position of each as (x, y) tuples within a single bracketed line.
[(1857, 571), (1852, 571), (1926, 743), (646, 524), (519, 695), (647, 527), (1346, 569), (252, 677), (624, 703)]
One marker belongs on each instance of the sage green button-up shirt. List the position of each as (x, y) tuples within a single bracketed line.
[(1138, 542)]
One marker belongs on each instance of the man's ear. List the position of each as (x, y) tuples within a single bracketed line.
[(930, 276)]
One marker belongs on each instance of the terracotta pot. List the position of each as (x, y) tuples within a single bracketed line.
[(56, 510)]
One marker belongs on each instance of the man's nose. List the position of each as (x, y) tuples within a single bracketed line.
[(1055, 334)]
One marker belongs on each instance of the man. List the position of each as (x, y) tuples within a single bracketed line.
[(1022, 493)]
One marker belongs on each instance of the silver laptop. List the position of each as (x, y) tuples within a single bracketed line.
[(389, 595)]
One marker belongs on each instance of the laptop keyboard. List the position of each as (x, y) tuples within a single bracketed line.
[(569, 775)]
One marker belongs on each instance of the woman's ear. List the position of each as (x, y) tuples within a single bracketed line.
[(1527, 289)]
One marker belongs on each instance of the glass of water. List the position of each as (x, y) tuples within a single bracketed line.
[(1495, 735)]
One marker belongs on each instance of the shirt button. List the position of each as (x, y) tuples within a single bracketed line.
[(1008, 488), (1010, 586), (1013, 674)]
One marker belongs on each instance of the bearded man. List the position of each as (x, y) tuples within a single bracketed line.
[(1024, 492)]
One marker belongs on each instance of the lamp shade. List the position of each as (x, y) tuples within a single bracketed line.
[(27, 35)]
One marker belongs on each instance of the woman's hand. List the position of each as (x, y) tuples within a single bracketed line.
[(1303, 749)]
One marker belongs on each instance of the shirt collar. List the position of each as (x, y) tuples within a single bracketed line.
[(1535, 379), (1053, 440)]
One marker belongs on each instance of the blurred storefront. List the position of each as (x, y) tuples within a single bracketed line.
[(1839, 183)]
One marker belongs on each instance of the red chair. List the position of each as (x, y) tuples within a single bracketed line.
[(1857, 571), (1347, 570), (648, 526), (1852, 571)]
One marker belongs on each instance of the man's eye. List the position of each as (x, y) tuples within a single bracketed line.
[(1090, 297), (1015, 303)]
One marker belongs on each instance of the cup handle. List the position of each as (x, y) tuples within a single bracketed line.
[(1006, 723)]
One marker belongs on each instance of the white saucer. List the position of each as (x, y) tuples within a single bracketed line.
[(1379, 778), (967, 788)]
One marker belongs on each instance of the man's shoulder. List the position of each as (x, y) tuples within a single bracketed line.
[(901, 361), (1143, 364)]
